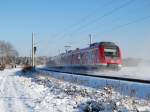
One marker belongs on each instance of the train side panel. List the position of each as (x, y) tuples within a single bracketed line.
[(101, 54)]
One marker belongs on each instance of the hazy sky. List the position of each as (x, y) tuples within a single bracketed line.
[(57, 23)]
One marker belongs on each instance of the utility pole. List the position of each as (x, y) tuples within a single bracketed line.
[(30, 56), (90, 38), (33, 53)]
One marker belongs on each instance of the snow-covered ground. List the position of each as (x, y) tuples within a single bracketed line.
[(138, 72), (43, 91)]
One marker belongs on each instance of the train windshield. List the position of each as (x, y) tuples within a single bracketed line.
[(111, 52)]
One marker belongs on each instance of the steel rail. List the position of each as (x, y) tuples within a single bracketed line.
[(101, 76)]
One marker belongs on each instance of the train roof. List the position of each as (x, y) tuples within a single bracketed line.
[(107, 43), (104, 43)]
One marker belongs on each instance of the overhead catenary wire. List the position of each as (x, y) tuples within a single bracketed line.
[(85, 18), (128, 23), (93, 21), (114, 20), (101, 17), (123, 25)]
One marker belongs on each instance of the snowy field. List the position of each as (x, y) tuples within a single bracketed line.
[(43, 91), (138, 72)]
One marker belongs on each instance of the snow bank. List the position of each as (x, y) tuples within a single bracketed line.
[(66, 93), (52, 92)]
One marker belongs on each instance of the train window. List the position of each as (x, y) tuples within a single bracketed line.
[(111, 52)]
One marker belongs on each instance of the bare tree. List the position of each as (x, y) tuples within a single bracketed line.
[(8, 53)]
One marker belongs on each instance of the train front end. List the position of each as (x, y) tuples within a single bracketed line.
[(110, 55)]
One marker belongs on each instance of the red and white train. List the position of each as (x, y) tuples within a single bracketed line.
[(97, 55)]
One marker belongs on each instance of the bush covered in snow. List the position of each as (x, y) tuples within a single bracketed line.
[(73, 97)]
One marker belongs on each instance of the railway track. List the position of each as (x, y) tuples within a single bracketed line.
[(101, 76)]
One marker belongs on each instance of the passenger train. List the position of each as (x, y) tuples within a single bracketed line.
[(97, 55)]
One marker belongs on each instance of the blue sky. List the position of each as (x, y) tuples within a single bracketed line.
[(57, 23)]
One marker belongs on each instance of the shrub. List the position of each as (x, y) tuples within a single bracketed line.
[(27, 68)]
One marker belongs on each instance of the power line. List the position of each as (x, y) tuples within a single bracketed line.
[(107, 14), (116, 19), (104, 15), (128, 23), (125, 24), (85, 17)]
